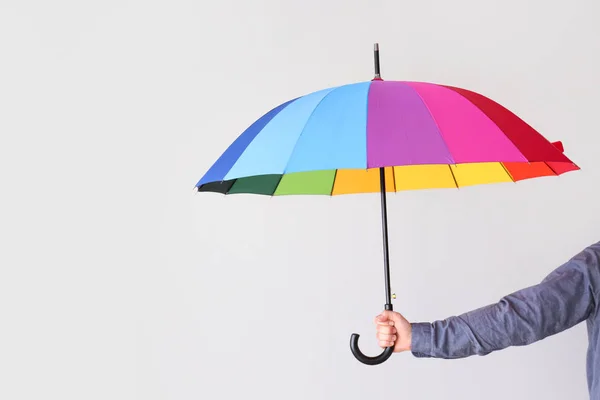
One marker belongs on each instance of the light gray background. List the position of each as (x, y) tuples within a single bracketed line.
[(119, 282)]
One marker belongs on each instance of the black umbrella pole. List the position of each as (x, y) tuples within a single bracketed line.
[(388, 351), (386, 251)]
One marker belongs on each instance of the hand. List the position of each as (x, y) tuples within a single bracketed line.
[(393, 330)]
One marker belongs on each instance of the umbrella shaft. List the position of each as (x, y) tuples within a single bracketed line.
[(377, 66), (386, 253)]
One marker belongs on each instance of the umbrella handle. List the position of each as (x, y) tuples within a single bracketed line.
[(366, 359)]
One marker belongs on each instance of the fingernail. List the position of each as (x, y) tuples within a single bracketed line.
[(391, 323)]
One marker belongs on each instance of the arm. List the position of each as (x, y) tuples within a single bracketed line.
[(565, 298)]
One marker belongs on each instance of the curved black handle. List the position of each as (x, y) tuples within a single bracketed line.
[(366, 359)]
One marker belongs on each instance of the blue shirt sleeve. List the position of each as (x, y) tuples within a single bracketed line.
[(563, 299)]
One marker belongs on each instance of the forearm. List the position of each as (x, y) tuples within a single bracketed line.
[(561, 301)]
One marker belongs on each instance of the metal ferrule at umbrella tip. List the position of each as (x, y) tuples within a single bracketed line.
[(377, 67)]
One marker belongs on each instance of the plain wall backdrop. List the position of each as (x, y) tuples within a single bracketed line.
[(118, 281)]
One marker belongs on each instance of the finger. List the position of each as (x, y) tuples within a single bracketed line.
[(382, 320), (388, 330), (388, 338), (385, 344)]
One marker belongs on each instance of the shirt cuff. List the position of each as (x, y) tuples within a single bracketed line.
[(421, 340)]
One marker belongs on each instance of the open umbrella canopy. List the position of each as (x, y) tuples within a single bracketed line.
[(383, 136), (333, 141)]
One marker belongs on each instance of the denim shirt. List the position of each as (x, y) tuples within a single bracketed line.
[(566, 297)]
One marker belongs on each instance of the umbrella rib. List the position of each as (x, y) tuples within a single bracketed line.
[(453, 176), (507, 173), (333, 183), (551, 169), (276, 186)]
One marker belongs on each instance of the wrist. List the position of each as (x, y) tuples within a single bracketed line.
[(407, 342)]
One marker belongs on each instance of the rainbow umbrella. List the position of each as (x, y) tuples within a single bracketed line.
[(383, 136)]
